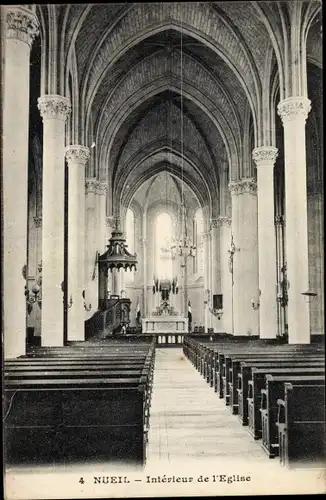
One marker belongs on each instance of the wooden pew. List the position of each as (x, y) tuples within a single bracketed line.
[(232, 364), (79, 352), (256, 384), (225, 362), (50, 391), (102, 420), (82, 355), (244, 376), (68, 364), (220, 362), (56, 372), (271, 360), (62, 371), (208, 356), (301, 426), (275, 387)]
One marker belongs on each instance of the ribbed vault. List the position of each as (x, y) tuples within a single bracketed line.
[(218, 65)]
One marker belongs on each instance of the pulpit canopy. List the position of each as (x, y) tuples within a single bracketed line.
[(117, 255)]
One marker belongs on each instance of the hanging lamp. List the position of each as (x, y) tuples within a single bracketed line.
[(183, 246)]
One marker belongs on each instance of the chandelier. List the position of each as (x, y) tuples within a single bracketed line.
[(166, 251), (183, 247), (180, 247)]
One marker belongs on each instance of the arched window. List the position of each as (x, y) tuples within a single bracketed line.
[(163, 235), (130, 235)]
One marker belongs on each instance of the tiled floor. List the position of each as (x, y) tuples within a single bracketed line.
[(188, 420)]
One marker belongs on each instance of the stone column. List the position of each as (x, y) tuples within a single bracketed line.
[(281, 260), (144, 263), (109, 227), (54, 110), (224, 224), (185, 287), (91, 247), (244, 256), (215, 257), (102, 191), (77, 157), (294, 112), (115, 281), (265, 158), (115, 273), (21, 28), (215, 268), (210, 287), (38, 239), (207, 291), (38, 274)]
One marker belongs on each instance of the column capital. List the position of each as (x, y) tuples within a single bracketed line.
[(265, 156), (38, 221), (223, 220), (91, 185), (102, 188), (77, 154), (54, 107), (294, 107), (22, 24), (243, 186)]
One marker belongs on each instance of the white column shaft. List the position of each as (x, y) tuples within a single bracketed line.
[(76, 157), (91, 276), (226, 276), (215, 271), (207, 291), (102, 193), (53, 232), (245, 259), (54, 110), (115, 282), (216, 279), (294, 112), (265, 158), (15, 172), (144, 264)]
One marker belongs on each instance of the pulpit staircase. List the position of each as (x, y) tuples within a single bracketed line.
[(107, 320)]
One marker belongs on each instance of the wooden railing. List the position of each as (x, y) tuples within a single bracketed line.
[(166, 339), (104, 322)]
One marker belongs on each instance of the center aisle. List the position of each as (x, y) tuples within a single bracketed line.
[(188, 421)]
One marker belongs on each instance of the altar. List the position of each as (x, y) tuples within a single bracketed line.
[(165, 319), (165, 324)]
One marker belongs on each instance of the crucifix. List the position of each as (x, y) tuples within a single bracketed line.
[(231, 252)]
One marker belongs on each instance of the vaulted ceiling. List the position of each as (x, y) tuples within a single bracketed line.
[(169, 86)]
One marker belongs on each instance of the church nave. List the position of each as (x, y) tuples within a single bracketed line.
[(163, 246), (189, 422)]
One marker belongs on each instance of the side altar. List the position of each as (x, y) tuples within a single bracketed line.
[(165, 319)]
